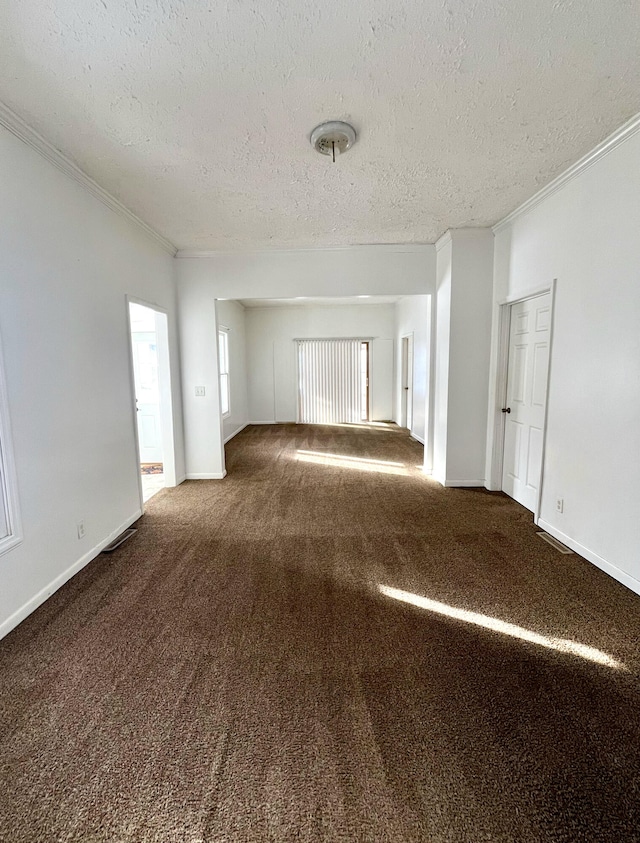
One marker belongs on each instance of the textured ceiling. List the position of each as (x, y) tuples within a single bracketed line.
[(196, 114)]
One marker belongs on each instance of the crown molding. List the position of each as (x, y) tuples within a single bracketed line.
[(443, 240), (626, 131), (25, 133), (411, 248)]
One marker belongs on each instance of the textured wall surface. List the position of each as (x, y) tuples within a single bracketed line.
[(197, 115)]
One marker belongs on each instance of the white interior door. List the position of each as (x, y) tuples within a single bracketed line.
[(524, 410), (145, 370)]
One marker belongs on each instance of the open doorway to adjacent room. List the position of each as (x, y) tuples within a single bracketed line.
[(406, 397), (152, 387)]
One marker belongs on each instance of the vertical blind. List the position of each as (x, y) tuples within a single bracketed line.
[(330, 381)]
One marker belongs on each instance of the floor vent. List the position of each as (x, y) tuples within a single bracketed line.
[(119, 540), (555, 543)]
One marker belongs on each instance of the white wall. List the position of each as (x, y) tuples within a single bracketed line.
[(352, 271), (231, 314), (203, 432), (440, 368), (271, 353), (462, 352), (587, 236), (66, 264), (413, 316)]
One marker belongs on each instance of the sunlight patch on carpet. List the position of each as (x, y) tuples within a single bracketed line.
[(344, 461), (562, 645)]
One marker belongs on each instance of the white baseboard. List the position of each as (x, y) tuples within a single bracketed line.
[(235, 433), (459, 484), (38, 599), (273, 421), (617, 574), (213, 475), (416, 437)]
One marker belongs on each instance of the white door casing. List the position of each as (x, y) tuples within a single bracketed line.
[(529, 340)]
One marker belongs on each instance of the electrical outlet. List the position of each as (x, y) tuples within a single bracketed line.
[(81, 530), (199, 391), (560, 505)]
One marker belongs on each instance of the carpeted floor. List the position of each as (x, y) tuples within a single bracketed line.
[(236, 673)]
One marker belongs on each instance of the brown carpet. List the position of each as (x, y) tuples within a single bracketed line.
[(233, 673)]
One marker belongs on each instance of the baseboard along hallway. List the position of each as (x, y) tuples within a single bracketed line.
[(326, 645)]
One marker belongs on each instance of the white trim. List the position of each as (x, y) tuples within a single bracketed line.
[(179, 480), (613, 571), (416, 437), (523, 295), (444, 240), (385, 247), (133, 399), (462, 484), (9, 498), (552, 303), (494, 482), (331, 339), (235, 433), (10, 120), (626, 131), (213, 475), (270, 422), (38, 599), (164, 368)]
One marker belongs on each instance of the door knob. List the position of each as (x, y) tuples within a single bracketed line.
[(506, 409)]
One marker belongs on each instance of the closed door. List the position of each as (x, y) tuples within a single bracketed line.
[(524, 410)]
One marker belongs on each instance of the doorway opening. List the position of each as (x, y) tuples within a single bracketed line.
[(152, 388), (406, 397)]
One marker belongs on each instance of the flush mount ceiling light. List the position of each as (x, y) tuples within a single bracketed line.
[(333, 138)]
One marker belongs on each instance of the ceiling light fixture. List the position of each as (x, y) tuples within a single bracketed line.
[(333, 138)]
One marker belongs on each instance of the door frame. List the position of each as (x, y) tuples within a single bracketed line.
[(164, 362), (502, 372)]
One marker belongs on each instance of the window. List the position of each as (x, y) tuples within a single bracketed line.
[(10, 532), (223, 363), (333, 381)]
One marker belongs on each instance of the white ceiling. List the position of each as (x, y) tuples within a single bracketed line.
[(196, 114)]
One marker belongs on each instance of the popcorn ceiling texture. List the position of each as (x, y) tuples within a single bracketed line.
[(196, 115)]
